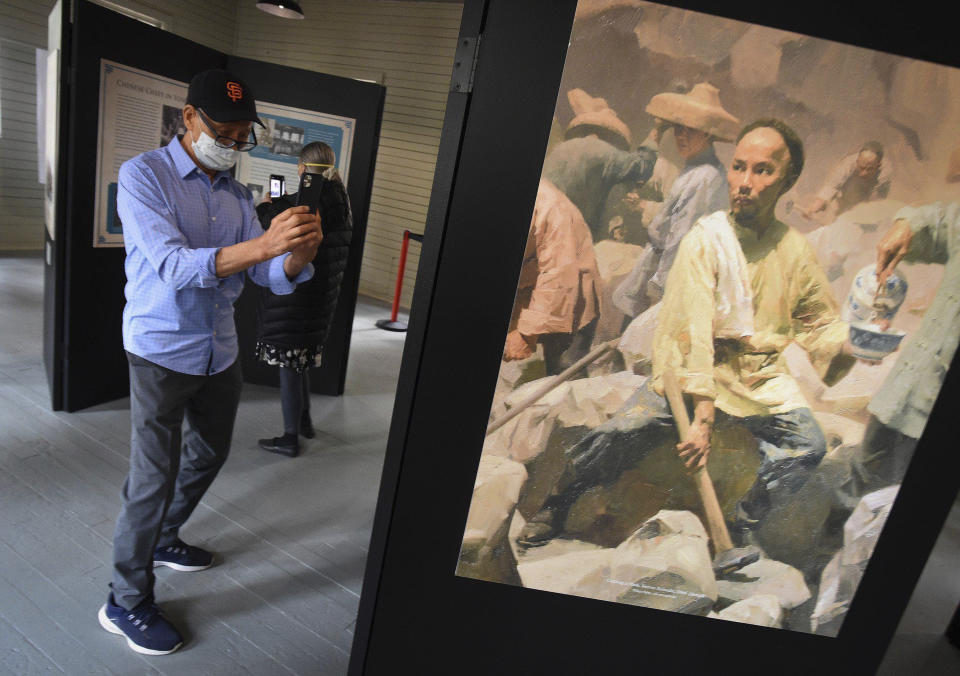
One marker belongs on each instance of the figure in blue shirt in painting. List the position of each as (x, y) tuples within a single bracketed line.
[(191, 233), (698, 119)]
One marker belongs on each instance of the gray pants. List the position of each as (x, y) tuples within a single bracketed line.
[(881, 461), (170, 469)]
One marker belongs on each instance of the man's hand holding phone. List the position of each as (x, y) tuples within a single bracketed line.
[(295, 230), (306, 251), (303, 244)]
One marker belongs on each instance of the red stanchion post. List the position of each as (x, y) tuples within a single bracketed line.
[(392, 324)]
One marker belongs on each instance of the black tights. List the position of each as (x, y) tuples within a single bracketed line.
[(294, 398)]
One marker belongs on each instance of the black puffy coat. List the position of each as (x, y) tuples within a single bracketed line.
[(302, 319)]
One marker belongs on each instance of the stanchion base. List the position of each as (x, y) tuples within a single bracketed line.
[(388, 325)]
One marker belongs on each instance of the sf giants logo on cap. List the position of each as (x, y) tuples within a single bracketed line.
[(234, 91)]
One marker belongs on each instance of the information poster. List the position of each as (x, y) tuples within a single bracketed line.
[(286, 131), (139, 111)]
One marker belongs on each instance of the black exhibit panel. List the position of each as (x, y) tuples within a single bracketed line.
[(362, 101), (84, 295), (416, 615)]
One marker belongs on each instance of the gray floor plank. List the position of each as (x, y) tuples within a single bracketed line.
[(19, 656), (250, 553), (86, 591), (66, 633), (274, 537), (218, 602), (20, 502)]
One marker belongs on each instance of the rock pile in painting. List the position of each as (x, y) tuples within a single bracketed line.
[(486, 551), (538, 436), (642, 541), (768, 578), (762, 609), (840, 578), (666, 564)]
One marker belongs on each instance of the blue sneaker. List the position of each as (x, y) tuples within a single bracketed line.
[(147, 631), (181, 556)]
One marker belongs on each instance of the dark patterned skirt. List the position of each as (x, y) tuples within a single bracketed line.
[(297, 358)]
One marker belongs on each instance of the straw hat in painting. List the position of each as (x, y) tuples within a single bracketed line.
[(700, 109), (593, 115)]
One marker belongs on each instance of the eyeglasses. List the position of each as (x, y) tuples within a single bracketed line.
[(226, 141)]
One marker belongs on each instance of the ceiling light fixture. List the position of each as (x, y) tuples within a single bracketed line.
[(287, 9)]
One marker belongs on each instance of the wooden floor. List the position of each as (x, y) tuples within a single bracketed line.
[(291, 534)]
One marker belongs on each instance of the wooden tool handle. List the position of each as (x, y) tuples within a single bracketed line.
[(701, 478), (553, 383)]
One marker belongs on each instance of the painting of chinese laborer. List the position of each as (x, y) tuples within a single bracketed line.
[(736, 308)]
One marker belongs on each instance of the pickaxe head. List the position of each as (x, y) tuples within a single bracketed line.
[(734, 559)]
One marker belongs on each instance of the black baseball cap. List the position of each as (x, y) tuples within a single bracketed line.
[(222, 96)]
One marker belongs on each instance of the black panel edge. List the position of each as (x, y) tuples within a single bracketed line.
[(455, 119)]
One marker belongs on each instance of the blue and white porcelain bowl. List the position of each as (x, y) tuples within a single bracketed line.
[(871, 342), (865, 305)]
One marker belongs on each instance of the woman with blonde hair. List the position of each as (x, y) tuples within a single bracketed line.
[(292, 329)]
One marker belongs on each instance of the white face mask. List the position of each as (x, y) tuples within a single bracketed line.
[(211, 155)]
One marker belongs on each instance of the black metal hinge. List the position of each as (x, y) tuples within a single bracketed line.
[(465, 65)]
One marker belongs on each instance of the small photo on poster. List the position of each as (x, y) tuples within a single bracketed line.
[(284, 139), (114, 226), (172, 124)]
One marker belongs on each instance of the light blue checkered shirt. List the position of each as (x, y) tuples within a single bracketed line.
[(179, 314)]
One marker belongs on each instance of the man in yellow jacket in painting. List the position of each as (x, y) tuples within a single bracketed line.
[(742, 288)]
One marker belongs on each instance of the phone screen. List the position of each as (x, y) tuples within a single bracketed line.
[(276, 186)]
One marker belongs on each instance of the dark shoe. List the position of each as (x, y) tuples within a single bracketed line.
[(306, 426), (283, 445), (749, 516), (147, 631), (181, 556), (539, 530)]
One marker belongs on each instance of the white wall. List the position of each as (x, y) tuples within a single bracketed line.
[(23, 28), (409, 48)]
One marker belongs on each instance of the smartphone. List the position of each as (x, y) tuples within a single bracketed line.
[(309, 192), (276, 186)]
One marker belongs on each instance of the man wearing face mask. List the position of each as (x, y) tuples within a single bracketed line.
[(190, 231)]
